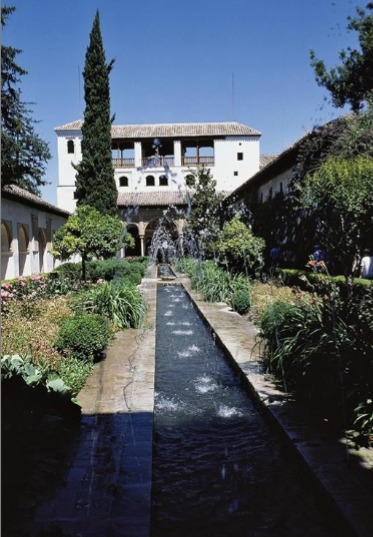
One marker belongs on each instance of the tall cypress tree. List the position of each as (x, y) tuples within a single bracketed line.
[(95, 185)]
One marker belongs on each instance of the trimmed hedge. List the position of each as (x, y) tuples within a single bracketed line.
[(133, 269), (84, 336)]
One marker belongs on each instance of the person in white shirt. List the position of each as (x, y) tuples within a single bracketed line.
[(366, 266)]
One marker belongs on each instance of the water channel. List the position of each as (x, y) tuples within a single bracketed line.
[(218, 468)]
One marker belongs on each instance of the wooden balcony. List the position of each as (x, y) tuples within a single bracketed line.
[(164, 161), (123, 162), (198, 161)]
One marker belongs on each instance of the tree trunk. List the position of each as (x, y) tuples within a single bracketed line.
[(84, 260)]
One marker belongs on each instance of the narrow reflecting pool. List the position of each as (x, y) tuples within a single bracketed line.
[(219, 470)]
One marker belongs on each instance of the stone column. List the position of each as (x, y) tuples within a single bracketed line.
[(142, 245), (177, 153), (138, 154)]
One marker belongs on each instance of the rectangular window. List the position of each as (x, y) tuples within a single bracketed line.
[(235, 174), (239, 156)]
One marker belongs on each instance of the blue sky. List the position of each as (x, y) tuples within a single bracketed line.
[(181, 61)]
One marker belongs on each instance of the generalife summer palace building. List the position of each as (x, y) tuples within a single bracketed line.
[(152, 164)]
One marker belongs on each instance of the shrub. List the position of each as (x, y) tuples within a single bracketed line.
[(320, 353), (120, 301), (187, 265), (74, 373), (117, 269), (129, 307), (363, 424), (83, 336), (240, 301), (70, 272)]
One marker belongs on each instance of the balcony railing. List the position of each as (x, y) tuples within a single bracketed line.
[(163, 161), (197, 161), (123, 162)]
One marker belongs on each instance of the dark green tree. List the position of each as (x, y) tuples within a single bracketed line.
[(95, 185), (338, 197), (24, 154), (206, 209), (352, 81)]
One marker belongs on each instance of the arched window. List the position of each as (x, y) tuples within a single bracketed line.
[(22, 248), (123, 181), (163, 180), (150, 181), (70, 146), (42, 248), (6, 240)]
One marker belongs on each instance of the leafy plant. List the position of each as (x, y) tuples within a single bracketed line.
[(239, 247), (364, 418), (240, 301), (83, 336), (120, 301), (74, 372), (32, 374), (187, 265)]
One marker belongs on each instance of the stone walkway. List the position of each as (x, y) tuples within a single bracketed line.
[(107, 491)]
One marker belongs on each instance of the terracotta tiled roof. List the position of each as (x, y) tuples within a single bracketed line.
[(153, 198), (22, 195), (72, 126), (171, 130), (266, 159)]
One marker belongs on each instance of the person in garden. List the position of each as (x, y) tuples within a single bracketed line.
[(318, 259), (366, 266)]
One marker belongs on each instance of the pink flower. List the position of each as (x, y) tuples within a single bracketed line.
[(5, 295)]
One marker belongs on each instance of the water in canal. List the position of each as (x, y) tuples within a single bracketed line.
[(219, 469)]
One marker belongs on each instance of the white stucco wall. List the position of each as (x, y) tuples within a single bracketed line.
[(66, 172), (14, 215), (275, 185), (227, 162), (228, 170)]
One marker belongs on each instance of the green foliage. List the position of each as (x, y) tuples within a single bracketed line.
[(23, 154), (356, 138), (87, 233), (83, 336), (74, 372), (338, 198), (33, 375), (241, 301), (322, 349), (363, 423), (277, 219), (95, 184), (109, 269), (204, 220), (352, 81), (320, 283), (120, 302), (187, 265), (216, 285), (239, 247)]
